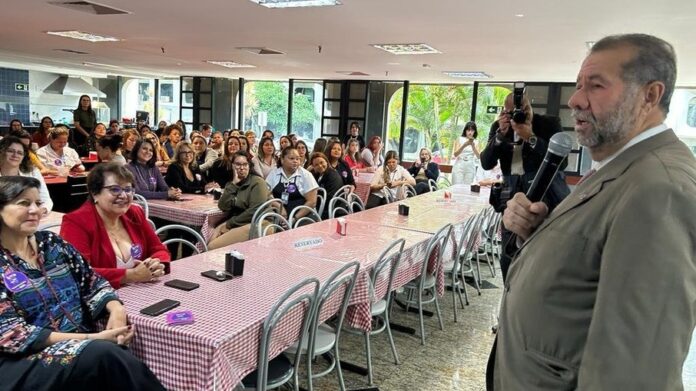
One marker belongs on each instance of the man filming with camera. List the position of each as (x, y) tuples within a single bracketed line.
[(519, 139)]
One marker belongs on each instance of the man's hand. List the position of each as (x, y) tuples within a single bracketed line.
[(522, 216), (524, 130)]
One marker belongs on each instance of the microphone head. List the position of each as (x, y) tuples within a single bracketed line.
[(560, 144)]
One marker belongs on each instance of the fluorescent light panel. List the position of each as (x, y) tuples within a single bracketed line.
[(468, 74), (83, 36), (296, 3), (407, 48), (230, 64)]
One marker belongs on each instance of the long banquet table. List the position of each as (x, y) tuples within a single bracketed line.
[(196, 210), (220, 348)]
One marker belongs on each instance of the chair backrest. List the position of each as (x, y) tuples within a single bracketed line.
[(343, 192), (270, 223), (409, 191), (465, 246), (142, 202), (272, 205), (321, 200), (338, 207), (432, 185), (345, 278), (356, 203), (292, 298), (179, 227), (435, 244), (388, 196), (312, 216), (386, 267), (443, 182)]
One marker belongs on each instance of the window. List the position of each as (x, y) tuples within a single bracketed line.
[(682, 116), (168, 100), (266, 107), (306, 110), (138, 95)]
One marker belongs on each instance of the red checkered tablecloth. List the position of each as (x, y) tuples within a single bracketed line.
[(221, 347), (362, 185), (194, 210)]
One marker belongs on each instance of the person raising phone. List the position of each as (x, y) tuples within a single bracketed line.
[(424, 169), (465, 154)]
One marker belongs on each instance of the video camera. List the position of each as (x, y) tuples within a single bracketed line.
[(518, 114)]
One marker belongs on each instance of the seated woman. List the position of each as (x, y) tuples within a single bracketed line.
[(335, 155), (205, 157), (49, 299), (58, 155), (372, 154), (223, 168), (118, 241), (148, 180), (292, 183), (97, 134), (174, 134), (244, 146), (161, 157), (388, 178), (327, 178), (130, 137), (242, 196), (302, 149), (353, 158), (26, 138), (265, 159), (109, 149), (14, 160), (424, 169), (40, 136), (184, 174)]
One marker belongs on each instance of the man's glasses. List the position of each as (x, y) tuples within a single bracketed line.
[(116, 190)]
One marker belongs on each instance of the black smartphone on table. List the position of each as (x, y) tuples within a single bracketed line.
[(160, 307), (217, 275), (181, 284)]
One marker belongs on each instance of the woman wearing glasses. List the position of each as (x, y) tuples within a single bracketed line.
[(242, 196), (14, 160), (118, 242), (49, 300), (184, 174)]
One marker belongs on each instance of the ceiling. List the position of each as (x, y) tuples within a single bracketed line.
[(169, 38)]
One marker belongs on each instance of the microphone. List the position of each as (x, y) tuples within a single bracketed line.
[(559, 146)]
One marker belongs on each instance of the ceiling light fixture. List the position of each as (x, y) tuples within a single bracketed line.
[(98, 64), (296, 3), (230, 64), (83, 36), (589, 44), (519, 15), (406, 48), (468, 74)]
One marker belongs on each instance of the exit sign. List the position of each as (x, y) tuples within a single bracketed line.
[(21, 87), (493, 109)]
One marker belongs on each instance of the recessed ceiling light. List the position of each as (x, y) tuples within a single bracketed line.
[(230, 64), (519, 15), (468, 74), (83, 36), (353, 73), (589, 44), (407, 48), (295, 3), (393, 63), (260, 50)]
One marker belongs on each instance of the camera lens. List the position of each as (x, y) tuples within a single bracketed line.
[(519, 116)]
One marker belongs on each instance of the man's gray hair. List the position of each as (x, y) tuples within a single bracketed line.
[(655, 60)]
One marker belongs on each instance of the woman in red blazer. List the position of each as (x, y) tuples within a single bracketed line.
[(112, 234)]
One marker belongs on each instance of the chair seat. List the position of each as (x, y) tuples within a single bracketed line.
[(378, 308), (429, 282), (448, 267), (325, 340), (279, 370)]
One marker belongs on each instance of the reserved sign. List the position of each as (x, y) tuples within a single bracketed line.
[(304, 244)]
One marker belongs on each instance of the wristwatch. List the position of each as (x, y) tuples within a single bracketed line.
[(532, 141)]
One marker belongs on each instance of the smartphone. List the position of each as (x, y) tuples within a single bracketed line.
[(217, 275), (160, 307), (181, 284)]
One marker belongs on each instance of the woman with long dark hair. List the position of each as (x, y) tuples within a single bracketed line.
[(265, 159), (334, 152), (388, 179), (292, 183), (372, 154), (147, 179), (40, 136), (84, 120), (465, 156)]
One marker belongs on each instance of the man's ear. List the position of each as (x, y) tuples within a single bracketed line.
[(652, 94)]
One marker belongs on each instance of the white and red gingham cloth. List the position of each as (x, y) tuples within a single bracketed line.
[(362, 185), (196, 210)]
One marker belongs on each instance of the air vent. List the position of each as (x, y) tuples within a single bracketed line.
[(260, 51), (89, 7), (70, 51)]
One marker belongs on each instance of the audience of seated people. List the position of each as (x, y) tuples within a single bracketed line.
[(388, 181)]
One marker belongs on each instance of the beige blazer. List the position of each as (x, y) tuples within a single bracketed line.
[(603, 295)]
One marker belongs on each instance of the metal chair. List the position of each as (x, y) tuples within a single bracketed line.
[(338, 205), (380, 304), (273, 373), (356, 203), (271, 220), (321, 200), (50, 227), (432, 185), (488, 235), (427, 281), (388, 196), (409, 191), (312, 216), (272, 205), (142, 202), (343, 192), (443, 182), (461, 264), (324, 339), (179, 227)]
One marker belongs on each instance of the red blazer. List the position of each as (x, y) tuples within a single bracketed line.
[(84, 229)]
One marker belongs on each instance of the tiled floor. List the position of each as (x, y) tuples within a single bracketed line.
[(454, 359)]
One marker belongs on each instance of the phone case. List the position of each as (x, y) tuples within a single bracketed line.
[(181, 284), (215, 276), (160, 307)]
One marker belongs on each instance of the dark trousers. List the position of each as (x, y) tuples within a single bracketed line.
[(422, 187), (374, 201)]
